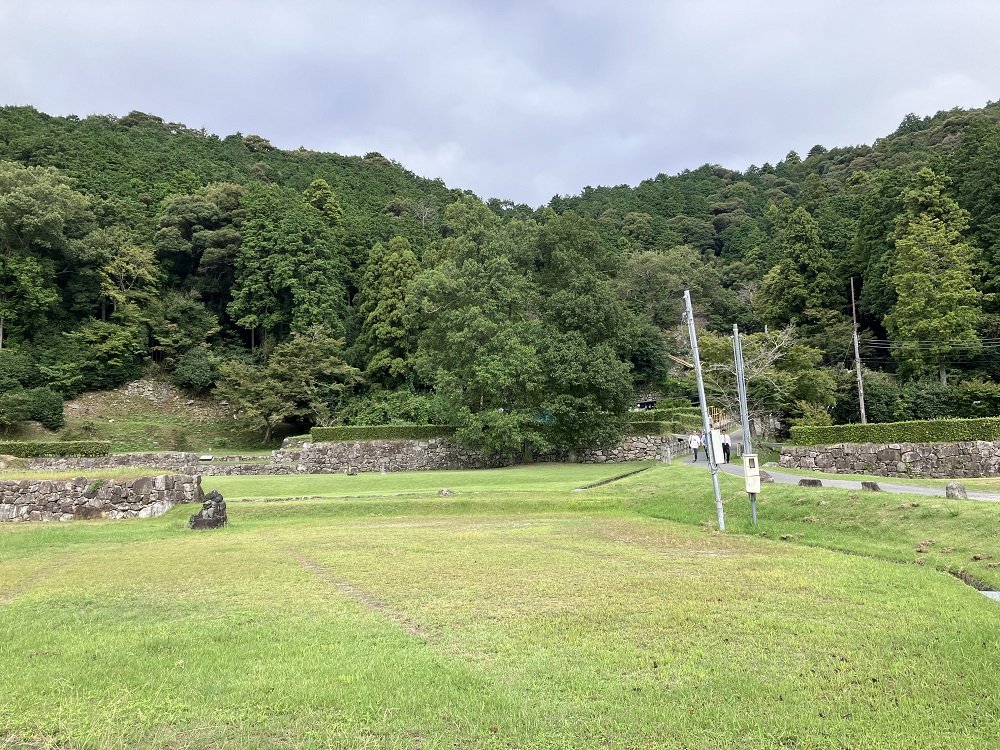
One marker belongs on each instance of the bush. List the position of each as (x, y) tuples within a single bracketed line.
[(96, 356), (196, 370), (40, 404), (393, 407), (17, 370), (36, 449), (46, 406), (928, 431), (930, 399), (15, 407), (380, 432), (814, 415)]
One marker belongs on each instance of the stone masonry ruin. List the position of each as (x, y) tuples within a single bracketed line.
[(306, 457), (80, 498)]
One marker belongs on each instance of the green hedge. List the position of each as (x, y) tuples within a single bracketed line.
[(380, 432), (37, 449), (925, 431), (665, 415), (652, 428)]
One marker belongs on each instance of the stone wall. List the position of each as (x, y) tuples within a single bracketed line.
[(305, 457), (69, 499), (976, 458), (185, 463), (635, 448), (391, 455)]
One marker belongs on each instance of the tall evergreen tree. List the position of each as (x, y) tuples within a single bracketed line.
[(938, 305), (387, 337), (290, 269), (803, 288)]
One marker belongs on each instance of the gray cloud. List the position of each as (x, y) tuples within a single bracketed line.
[(512, 99)]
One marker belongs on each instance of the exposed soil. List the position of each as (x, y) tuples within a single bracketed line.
[(145, 396)]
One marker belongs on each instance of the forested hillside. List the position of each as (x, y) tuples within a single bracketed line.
[(321, 289)]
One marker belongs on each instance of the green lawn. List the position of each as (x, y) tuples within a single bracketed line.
[(891, 526), (537, 478), (528, 616)]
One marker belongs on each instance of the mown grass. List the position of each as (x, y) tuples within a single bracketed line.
[(892, 526), (536, 478), (537, 617)]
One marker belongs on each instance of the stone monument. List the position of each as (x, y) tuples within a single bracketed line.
[(212, 514)]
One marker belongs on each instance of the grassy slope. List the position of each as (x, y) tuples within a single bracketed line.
[(150, 415), (890, 526), (513, 619)]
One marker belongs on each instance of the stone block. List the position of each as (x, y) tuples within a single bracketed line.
[(956, 491)]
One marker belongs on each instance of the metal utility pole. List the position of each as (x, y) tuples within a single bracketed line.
[(706, 425), (741, 391), (857, 358)]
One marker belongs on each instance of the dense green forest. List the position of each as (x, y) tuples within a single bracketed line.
[(314, 288)]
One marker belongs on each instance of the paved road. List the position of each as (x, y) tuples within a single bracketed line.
[(736, 469)]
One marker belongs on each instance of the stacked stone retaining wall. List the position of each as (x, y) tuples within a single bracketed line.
[(390, 455), (305, 457), (974, 458), (69, 499)]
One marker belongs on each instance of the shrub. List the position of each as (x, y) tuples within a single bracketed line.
[(394, 407), (15, 407), (40, 404), (930, 399), (46, 406), (380, 432), (927, 431), (16, 370), (36, 449), (815, 415), (196, 370)]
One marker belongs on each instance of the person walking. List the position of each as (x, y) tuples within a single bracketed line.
[(694, 442), (726, 445)]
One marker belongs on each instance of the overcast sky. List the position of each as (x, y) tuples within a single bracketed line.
[(519, 100)]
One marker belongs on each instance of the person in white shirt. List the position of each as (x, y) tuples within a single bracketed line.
[(695, 443), (726, 445)]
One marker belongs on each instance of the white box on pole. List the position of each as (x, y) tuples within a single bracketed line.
[(751, 472)]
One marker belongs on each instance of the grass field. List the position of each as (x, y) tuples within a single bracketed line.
[(514, 614)]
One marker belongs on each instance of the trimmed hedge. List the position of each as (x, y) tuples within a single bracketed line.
[(380, 432), (37, 449), (665, 415), (923, 431), (652, 428)]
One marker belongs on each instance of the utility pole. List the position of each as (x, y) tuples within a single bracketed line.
[(706, 425), (741, 391), (857, 358)]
